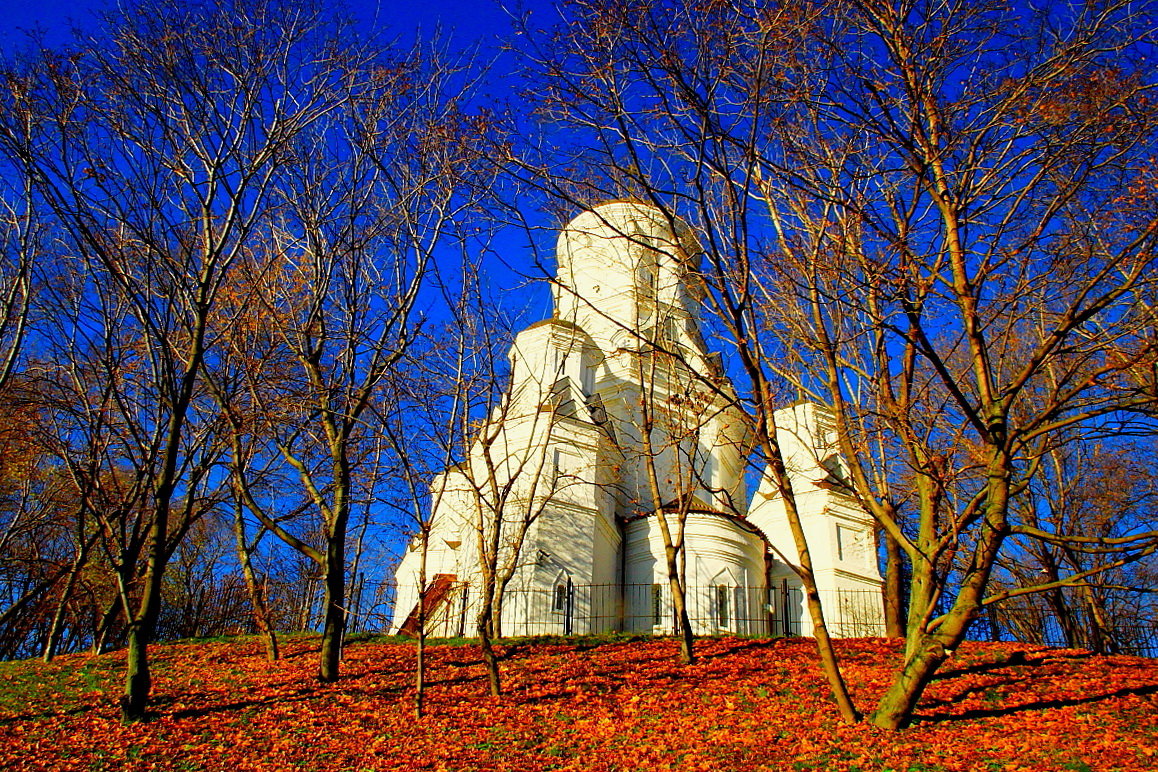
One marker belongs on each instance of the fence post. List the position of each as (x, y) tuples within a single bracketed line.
[(785, 600), (465, 603)]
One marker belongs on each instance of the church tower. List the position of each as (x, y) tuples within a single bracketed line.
[(627, 275), (625, 271), (621, 351)]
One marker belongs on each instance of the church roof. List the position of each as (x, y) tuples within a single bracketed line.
[(556, 321)]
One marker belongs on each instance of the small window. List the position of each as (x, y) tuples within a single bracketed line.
[(648, 280), (840, 543), (722, 601), (587, 376), (837, 471), (657, 604), (560, 597)]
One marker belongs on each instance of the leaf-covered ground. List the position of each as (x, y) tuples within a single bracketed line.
[(745, 705)]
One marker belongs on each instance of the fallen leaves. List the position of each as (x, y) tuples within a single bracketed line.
[(744, 705)]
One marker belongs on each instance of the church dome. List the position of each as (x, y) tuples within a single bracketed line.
[(618, 263), (622, 223)]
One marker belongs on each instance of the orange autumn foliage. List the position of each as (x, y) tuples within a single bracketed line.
[(745, 705)]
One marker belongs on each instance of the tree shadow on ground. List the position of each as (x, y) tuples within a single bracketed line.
[(1008, 710), (305, 694), (37, 715), (735, 646), (1013, 659)]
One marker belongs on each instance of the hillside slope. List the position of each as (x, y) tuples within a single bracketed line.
[(745, 705)]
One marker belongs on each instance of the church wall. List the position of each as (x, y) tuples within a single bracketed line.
[(844, 564), (839, 532), (450, 548), (723, 573), (568, 433), (574, 544), (705, 462)]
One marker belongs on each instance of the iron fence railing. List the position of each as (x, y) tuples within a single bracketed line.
[(571, 609), (1027, 622)]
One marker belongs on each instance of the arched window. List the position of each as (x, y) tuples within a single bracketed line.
[(723, 597), (647, 277)]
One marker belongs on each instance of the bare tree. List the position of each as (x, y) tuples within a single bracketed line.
[(496, 423), (619, 74), (43, 537), (372, 192), (1093, 489), (508, 477), (682, 393), (934, 218), (153, 145), (430, 397)]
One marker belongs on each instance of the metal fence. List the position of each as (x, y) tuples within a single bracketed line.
[(1028, 622), (721, 609), (576, 609)]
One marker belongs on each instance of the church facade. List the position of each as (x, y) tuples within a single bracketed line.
[(619, 420)]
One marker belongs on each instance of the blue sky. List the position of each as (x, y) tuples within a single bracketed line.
[(467, 20)]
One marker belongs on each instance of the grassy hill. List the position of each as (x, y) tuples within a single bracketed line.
[(745, 705)]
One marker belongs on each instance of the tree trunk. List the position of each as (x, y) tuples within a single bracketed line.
[(106, 621), (922, 588), (925, 651), (895, 709), (828, 659), (143, 624), (334, 622), (265, 624), (55, 629), (679, 604), (1101, 635), (258, 594), (829, 662), (1101, 632), (1060, 606), (500, 595), (420, 671), (894, 605), (138, 681), (490, 659), (420, 659)]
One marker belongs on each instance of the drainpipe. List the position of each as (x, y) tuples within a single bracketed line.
[(621, 601)]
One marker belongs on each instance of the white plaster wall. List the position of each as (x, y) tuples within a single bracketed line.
[(624, 275), (838, 531), (721, 552)]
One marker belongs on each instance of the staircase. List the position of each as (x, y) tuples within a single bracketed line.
[(433, 596)]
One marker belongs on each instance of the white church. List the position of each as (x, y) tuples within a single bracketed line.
[(563, 490)]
